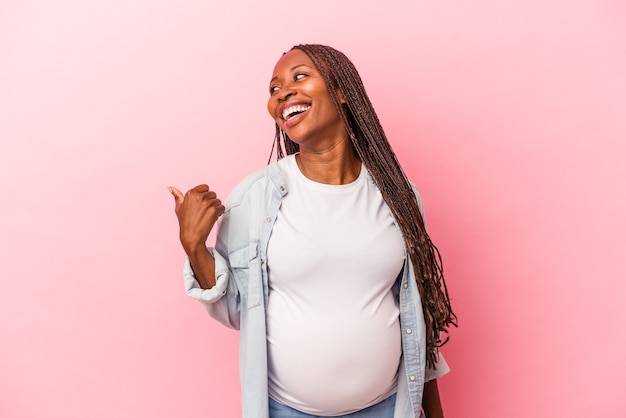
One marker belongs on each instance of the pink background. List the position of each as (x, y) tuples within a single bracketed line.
[(509, 116)]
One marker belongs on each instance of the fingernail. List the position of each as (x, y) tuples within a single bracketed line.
[(170, 189)]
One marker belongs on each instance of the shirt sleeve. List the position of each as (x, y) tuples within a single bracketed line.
[(192, 287), (441, 370)]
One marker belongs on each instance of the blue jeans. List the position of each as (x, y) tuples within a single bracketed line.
[(383, 409)]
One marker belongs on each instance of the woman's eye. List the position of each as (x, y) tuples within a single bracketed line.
[(273, 89), (299, 76)]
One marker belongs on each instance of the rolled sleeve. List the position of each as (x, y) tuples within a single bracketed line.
[(441, 370), (192, 287)]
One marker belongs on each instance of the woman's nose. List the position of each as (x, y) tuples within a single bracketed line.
[(286, 91)]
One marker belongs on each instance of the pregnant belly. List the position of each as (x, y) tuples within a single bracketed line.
[(333, 363)]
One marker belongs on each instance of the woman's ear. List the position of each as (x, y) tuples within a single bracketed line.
[(342, 99)]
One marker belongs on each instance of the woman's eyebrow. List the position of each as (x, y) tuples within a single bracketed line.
[(292, 69)]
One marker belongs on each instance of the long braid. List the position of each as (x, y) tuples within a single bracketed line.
[(372, 147)]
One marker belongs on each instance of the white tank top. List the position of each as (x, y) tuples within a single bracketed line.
[(332, 323)]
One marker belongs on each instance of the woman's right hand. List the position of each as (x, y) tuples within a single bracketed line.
[(197, 211)]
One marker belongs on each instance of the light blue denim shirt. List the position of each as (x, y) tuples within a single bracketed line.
[(239, 298)]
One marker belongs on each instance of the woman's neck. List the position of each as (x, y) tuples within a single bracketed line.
[(337, 165)]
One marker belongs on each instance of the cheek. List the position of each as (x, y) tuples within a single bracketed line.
[(324, 96), (271, 109)]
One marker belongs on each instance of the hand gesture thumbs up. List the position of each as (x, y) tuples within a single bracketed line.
[(197, 210)]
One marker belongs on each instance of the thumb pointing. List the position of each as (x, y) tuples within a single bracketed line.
[(178, 195)]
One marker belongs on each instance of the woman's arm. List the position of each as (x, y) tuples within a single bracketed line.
[(430, 401), (197, 211)]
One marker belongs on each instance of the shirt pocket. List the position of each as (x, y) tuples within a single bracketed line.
[(246, 268)]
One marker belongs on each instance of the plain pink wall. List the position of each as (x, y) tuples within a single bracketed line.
[(509, 116)]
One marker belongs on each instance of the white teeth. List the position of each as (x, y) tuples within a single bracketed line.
[(292, 111)]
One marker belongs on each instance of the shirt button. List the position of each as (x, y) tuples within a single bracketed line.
[(282, 188), (412, 378), (268, 219), (262, 261), (406, 285), (408, 330)]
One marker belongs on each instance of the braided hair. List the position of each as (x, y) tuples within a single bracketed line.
[(373, 149)]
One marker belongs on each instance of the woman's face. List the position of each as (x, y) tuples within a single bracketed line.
[(301, 105)]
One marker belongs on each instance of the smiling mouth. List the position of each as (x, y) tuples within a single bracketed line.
[(295, 110)]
